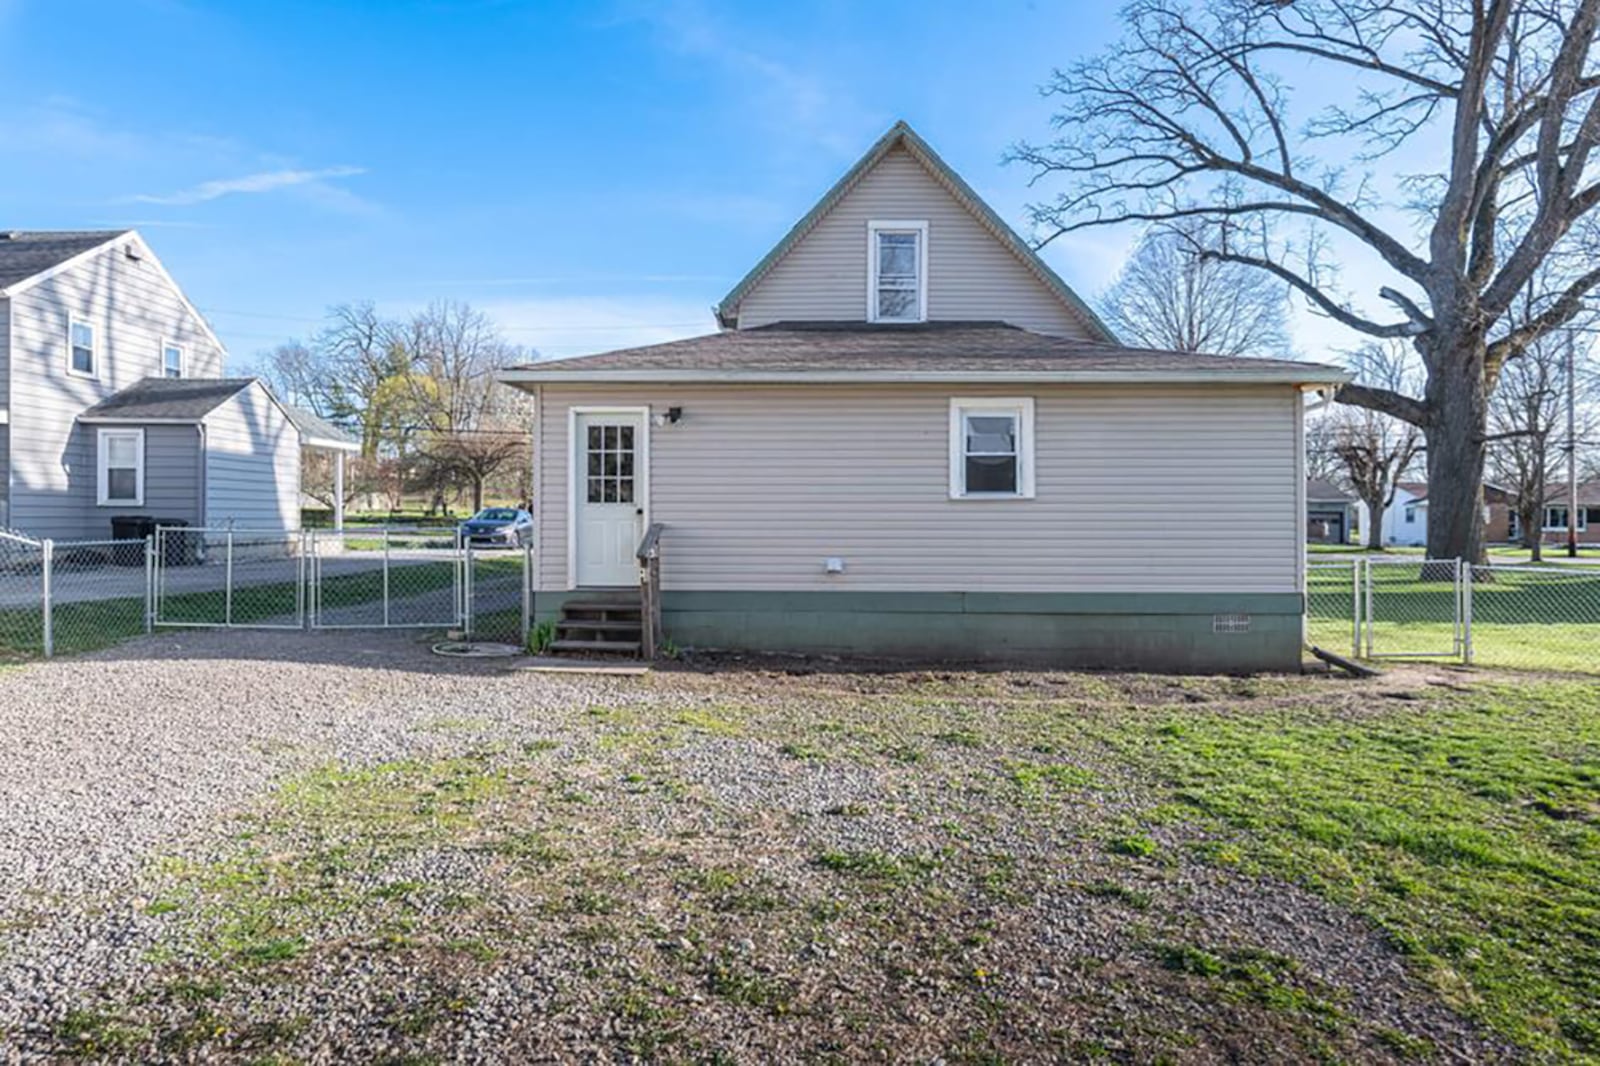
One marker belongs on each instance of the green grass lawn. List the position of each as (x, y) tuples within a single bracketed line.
[(1497, 552), (1525, 620), (1468, 829)]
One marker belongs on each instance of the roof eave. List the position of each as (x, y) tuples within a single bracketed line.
[(1296, 376)]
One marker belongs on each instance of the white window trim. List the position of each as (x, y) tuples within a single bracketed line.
[(1582, 515), (920, 228), (1021, 406), (73, 322), (102, 468), (183, 359)]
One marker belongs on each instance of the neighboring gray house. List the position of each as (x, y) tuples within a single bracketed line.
[(1330, 512), (112, 401), (913, 438)]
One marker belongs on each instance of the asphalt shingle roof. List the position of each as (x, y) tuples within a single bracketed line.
[(1321, 490), (168, 399), (313, 426), (24, 253), (940, 347)]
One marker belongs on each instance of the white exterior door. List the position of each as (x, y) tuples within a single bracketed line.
[(609, 487)]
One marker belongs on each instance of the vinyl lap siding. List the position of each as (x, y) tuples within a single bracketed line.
[(972, 276), (132, 308), (1138, 490), (5, 406), (252, 475)]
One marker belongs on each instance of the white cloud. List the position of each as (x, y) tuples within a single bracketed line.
[(314, 182)]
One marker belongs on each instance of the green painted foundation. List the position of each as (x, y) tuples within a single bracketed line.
[(1167, 632)]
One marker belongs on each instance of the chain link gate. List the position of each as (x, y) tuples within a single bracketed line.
[(340, 579), (228, 578), (1415, 609)]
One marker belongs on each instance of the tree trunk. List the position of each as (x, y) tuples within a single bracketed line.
[(477, 493), (1374, 530), (1455, 433)]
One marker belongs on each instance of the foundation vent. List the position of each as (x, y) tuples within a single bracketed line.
[(1230, 623)]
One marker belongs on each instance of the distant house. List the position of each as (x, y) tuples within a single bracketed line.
[(1554, 530), (912, 438), (1405, 520), (112, 402), (1330, 512)]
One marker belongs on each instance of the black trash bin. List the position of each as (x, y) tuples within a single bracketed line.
[(130, 527), (178, 549)]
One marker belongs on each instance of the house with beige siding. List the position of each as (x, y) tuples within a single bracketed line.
[(911, 438), (112, 403)]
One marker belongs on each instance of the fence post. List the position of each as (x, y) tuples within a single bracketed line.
[(47, 627), (149, 583), (1466, 612), (1355, 607), (527, 594), (1367, 566), (386, 577), (227, 581), (466, 592), (300, 578)]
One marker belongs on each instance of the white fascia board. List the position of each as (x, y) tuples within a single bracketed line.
[(1006, 377), (328, 444), (125, 420)]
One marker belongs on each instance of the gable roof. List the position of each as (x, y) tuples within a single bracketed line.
[(46, 253), (902, 135), (26, 253), (815, 352), (1321, 490), (166, 400), (318, 432)]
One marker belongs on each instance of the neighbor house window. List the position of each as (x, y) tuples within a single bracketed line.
[(80, 348), (897, 254), (991, 448), (1555, 519), (171, 361), (121, 467), (1411, 515)]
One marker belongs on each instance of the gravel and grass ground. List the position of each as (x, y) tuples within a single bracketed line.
[(280, 848)]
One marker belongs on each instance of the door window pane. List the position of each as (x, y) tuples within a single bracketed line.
[(610, 464)]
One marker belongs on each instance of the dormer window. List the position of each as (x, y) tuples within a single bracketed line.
[(897, 254)]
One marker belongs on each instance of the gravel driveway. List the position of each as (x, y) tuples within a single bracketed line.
[(238, 846)]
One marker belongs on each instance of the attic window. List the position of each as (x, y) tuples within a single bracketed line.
[(897, 255)]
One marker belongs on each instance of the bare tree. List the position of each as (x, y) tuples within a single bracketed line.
[(1189, 116), (1375, 451), (1528, 420), (477, 456), (1170, 295)]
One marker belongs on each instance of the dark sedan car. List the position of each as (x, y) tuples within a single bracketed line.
[(498, 527)]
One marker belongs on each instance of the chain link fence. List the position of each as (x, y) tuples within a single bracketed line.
[(1535, 617), (1506, 616), (386, 579), (245, 579), (60, 597)]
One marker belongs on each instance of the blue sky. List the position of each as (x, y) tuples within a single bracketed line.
[(592, 174)]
